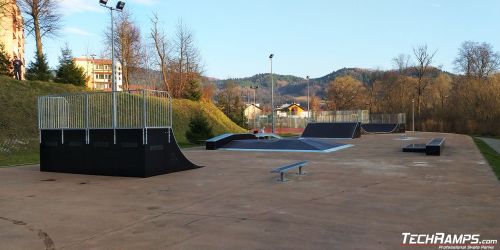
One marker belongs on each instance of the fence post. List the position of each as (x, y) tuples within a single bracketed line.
[(144, 118), (87, 137)]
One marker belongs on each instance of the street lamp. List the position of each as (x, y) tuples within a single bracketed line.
[(93, 67), (308, 109), (119, 7), (272, 93)]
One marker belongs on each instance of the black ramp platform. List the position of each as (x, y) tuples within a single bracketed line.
[(341, 130), (221, 140), (382, 128), (66, 151), (290, 145)]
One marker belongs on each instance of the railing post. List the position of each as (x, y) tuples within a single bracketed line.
[(87, 137), (144, 118)]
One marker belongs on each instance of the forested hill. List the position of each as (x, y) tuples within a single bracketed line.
[(294, 86), (263, 80)]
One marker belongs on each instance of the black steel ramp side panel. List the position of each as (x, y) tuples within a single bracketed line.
[(381, 128), (348, 130), (419, 148), (128, 157)]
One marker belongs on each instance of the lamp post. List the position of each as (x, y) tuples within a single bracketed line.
[(93, 67), (308, 109), (272, 93), (413, 114), (119, 7)]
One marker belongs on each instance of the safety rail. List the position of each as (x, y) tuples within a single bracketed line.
[(94, 110)]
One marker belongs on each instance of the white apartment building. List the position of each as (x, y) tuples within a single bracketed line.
[(98, 73)]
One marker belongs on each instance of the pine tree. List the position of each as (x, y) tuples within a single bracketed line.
[(5, 63), (39, 70), (199, 129), (68, 72), (193, 91)]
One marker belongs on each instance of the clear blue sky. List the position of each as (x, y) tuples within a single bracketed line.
[(308, 37)]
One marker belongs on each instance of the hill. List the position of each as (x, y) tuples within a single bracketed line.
[(292, 88), (18, 118)]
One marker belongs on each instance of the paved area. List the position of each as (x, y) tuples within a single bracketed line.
[(363, 197), (493, 143)]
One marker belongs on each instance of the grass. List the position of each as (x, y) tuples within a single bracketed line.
[(18, 118), (491, 156), (20, 158)]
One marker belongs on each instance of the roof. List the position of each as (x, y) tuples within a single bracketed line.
[(287, 106), (94, 61), (248, 105)]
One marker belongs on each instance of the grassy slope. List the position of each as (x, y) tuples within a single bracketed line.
[(491, 155), (18, 118)]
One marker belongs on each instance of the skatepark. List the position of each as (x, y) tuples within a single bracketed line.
[(360, 197), (356, 189)]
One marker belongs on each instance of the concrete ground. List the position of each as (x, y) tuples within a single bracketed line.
[(363, 197), (493, 143)]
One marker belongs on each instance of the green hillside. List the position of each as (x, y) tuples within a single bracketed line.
[(18, 118)]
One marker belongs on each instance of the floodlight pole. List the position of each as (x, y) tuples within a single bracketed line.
[(113, 76), (93, 66), (272, 94)]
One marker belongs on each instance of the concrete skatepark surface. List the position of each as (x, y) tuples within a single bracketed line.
[(363, 197)]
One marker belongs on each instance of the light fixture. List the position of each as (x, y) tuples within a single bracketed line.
[(120, 5), (271, 56), (103, 2)]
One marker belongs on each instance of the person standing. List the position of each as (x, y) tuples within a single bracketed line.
[(17, 68)]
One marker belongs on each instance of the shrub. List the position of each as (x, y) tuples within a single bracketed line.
[(199, 129)]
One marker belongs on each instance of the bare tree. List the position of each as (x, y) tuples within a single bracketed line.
[(162, 48), (42, 18), (187, 67), (401, 62), (477, 60), (128, 46), (423, 65)]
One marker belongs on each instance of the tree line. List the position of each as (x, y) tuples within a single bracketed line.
[(465, 103)]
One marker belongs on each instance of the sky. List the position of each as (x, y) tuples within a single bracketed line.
[(308, 37)]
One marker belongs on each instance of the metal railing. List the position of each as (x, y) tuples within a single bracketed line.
[(135, 109), (362, 116)]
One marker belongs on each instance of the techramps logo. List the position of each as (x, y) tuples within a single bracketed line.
[(447, 241)]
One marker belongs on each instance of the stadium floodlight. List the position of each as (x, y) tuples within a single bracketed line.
[(103, 2), (120, 5), (272, 93)]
